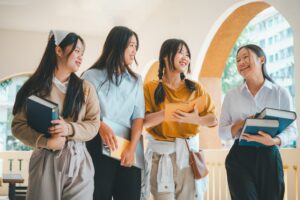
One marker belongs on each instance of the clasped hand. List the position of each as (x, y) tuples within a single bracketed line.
[(184, 117), (59, 131)]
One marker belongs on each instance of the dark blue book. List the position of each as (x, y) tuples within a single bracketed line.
[(40, 112), (252, 126), (285, 117)]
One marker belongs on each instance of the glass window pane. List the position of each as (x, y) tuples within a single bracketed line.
[(8, 91)]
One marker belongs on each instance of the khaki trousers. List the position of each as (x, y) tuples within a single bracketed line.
[(183, 178), (62, 175)]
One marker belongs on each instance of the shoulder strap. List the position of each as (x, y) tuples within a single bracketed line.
[(187, 144)]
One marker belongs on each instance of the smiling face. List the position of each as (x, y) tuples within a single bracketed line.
[(75, 59), (70, 61), (248, 63), (182, 59), (130, 51)]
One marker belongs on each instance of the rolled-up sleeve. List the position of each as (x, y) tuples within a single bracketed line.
[(139, 106), (289, 135), (225, 120)]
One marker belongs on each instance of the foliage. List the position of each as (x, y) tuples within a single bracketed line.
[(5, 83), (231, 77)]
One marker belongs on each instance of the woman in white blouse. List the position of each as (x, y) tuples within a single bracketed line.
[(254, 172)]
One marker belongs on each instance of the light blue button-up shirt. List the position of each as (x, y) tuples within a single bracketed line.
[(121, 104), (240, 104)]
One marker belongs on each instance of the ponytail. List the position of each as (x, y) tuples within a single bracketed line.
[(190, 85)]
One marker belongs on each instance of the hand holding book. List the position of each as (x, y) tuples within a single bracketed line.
[(40, 112), (108, 137), (262, 138), (263, 128), (59, 128), (128, 156), (118, 144), (186, 117), (185, 112)]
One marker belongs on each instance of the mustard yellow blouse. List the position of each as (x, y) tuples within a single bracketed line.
[(168, 130)]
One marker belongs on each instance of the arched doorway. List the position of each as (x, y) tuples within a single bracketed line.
[(215, 57)]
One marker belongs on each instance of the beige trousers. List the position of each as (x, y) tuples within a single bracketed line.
[(183, 179), (62, 175)]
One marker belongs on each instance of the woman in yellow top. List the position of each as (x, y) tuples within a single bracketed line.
[(167, 156)]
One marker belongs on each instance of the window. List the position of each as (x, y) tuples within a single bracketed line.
[(276, 56), (270, 40), (276, 19), (281, 35), (262, 43), (262, 26), (8, 91), (289, 32), (281, 52), (271, 58), (270, 23), (276, 38), (289, 52)]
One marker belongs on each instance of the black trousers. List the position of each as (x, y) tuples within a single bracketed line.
[(112, 179), (255, 173)]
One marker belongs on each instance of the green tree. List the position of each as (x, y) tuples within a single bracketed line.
[(231, 77)]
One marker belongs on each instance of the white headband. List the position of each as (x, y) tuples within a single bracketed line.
[(59, 36)]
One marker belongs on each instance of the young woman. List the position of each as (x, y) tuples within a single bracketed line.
[(167, 155), (254, 172), (121, 96), (60, 166)]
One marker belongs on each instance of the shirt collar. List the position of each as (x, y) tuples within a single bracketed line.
[(127, 75), (267, 84), (61, 86)]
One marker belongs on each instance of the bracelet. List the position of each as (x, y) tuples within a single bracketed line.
[(37, 141), (68, 130), (70, 134)]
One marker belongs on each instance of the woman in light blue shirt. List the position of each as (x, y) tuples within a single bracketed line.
[(254, 172), (121, 98)]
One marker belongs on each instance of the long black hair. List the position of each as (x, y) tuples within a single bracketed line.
[(169, 49), (259, 53), (40, 83), (112, 56)]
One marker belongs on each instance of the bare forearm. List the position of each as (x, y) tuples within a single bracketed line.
[(153, 119), (136, 131), (237, 128), (277, 141), (208, 120)]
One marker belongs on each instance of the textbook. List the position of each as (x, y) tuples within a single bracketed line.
[(40, 112), (123, 139), (252, 126), (187, 107), (285, 117)]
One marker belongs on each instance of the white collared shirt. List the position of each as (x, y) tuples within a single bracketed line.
[(61, 86), (239, 104)]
